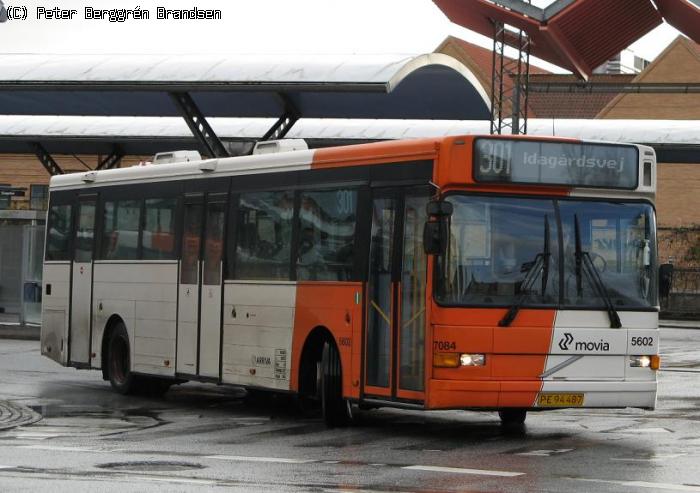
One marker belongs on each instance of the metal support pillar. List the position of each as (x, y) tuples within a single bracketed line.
[(199, 126), (285, 122), (509, 98), (112, 160), (49, 163)]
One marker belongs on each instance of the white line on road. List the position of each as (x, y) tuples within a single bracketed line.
[(655, 458), (60, 449), (645, 484), (7, 467), (274, 460), (545, 453), (459, 470), (35, 436), (355, 490), (207, 482)]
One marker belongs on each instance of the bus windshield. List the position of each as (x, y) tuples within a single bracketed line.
[(504, 250)]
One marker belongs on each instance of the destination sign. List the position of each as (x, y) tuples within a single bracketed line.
[(556, 163)]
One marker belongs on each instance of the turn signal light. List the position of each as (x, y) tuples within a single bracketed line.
[(655, 362), (446, 360)]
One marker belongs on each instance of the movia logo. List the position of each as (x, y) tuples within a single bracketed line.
[(565, 341), (3, 12)]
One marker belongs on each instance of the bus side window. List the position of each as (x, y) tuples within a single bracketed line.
[(326, 235), (60, 226), (264, 235), (121, 230), (158, 238)]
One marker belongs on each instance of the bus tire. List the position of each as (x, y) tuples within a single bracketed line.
[(512, 416), (119, 361), (334, 409)]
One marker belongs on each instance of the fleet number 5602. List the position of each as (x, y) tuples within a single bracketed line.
[(642, 341)]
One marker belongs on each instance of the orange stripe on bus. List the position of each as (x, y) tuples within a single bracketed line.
[(375, 153)]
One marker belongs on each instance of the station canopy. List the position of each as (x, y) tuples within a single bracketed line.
[(432, 86), (674, 141), (578, 35)]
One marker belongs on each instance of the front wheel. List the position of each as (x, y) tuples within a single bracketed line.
[(336, 410), (512, 416)]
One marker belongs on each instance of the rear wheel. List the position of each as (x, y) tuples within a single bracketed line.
[(336, 410), (119, 361), (512, 416)]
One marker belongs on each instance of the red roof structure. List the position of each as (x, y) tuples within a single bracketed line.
[(578, 35)]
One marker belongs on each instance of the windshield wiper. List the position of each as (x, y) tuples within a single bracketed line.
[(585, 263), (541, 262)]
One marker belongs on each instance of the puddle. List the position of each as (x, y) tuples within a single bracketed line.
[(67, 420), (151, 466)]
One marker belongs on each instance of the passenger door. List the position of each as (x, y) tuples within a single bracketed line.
[(81, 283), (188, 286), (395, 296), (200, 285), (211, 286)]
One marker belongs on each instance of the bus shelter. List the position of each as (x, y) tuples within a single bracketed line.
[(196, 88), (132, 104)]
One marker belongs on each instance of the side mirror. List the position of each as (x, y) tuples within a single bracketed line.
[(439, 208), (435, 237), (665, 279), (436, 233)]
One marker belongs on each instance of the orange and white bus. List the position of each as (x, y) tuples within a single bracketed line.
[(467, 272)]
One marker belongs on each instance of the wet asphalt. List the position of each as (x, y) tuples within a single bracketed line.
[(202, 437)]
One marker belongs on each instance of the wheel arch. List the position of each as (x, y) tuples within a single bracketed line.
[(311, 353)]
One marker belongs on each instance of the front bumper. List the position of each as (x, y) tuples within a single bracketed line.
[(465, 394)]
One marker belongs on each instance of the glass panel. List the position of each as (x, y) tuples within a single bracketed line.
[(380, 293), (60, 226), (5, 198), (120, 238), (620, 241), (496, 244), (85, 232), (214, 243), (158, 239), (412, 330), (264, 235), (38, 195), (33, 245), (326, 235), (191, 242)]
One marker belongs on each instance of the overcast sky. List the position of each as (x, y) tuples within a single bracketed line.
[(257, 26)]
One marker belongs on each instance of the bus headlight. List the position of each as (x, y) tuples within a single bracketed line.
[(640, 361), (653, 362), (472, 359), (455, 360)]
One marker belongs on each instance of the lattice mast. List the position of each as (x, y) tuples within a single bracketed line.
[(509, 100)]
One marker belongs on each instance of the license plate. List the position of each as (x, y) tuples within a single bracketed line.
[(560, 400)]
